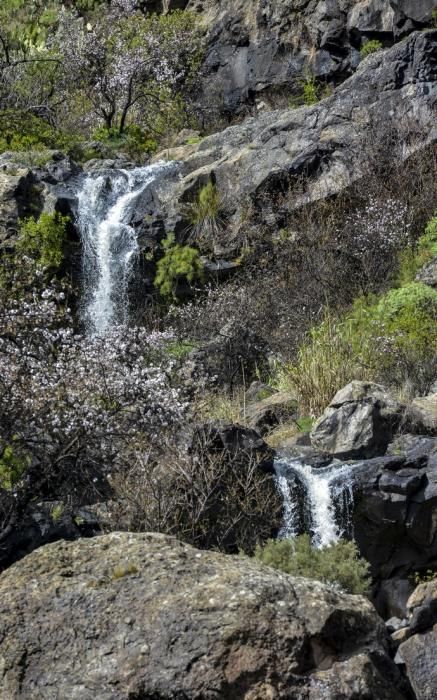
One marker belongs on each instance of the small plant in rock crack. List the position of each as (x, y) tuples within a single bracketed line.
[(204, 214), (369, 47)]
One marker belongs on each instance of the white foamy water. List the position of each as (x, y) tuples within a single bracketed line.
[(318, 500), (106, 202)]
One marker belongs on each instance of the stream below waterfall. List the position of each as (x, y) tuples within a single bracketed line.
[(317, 500), (106, 203)]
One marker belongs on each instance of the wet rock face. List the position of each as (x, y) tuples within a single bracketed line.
[(135, 616)]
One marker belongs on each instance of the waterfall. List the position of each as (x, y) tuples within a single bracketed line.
[(106, 203), (316, 500)]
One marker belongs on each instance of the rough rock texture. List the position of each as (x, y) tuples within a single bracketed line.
[(395, 518), (144, 616), (426, 407), (330, 143), (419, 652), (27, 190), (266, 409), (254, 45), (428, 273), (359, 422)]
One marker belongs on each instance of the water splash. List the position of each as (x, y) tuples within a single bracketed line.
[(316, 500), (106, 202)]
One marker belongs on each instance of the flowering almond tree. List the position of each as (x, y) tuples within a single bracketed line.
[(124, 62)]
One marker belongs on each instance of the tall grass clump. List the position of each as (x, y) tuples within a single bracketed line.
[(390, 338), (204, 213), (338, 564)]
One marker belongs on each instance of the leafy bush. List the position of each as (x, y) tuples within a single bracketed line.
[(370, 47), (178, 262), (135, 142), (12, 467), (339, 563), (43, 239)]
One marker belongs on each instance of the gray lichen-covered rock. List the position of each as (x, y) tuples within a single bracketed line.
[(145, 616), (359, 421)]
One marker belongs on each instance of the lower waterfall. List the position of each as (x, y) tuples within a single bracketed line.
[(316, 500), (106, 201)]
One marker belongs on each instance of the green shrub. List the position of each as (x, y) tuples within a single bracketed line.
[(178, 262), (339, 564), (12, 467), (370, 47), (44, 239), (22, 132), (413, 258), (134, 141)]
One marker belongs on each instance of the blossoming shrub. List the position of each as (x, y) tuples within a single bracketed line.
[(339, 563), (78, 406)]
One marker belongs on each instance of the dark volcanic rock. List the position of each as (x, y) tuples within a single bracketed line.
[(330, 143), (145, 616), (394, 519), (254, 47), (419, 652)]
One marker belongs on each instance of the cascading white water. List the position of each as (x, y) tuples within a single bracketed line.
[(328, 496), (106, 202)]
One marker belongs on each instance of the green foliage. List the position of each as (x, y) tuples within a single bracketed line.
[(178, 262), (305, 424), (370, 47), (43, 239), (134, 141), (339, 564), (180, 348), (310, 92), (425, 576), (22, 132), (391, 339), (413, 258), (57, 512), (13, 466)]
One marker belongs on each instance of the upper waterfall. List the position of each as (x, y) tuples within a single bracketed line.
[(106, 202)]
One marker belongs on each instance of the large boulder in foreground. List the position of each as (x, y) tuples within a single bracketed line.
[(358, 423), (145, 616)]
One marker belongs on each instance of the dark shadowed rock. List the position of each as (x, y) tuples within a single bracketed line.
[(145, 616), (419, 652), (240, 443)]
